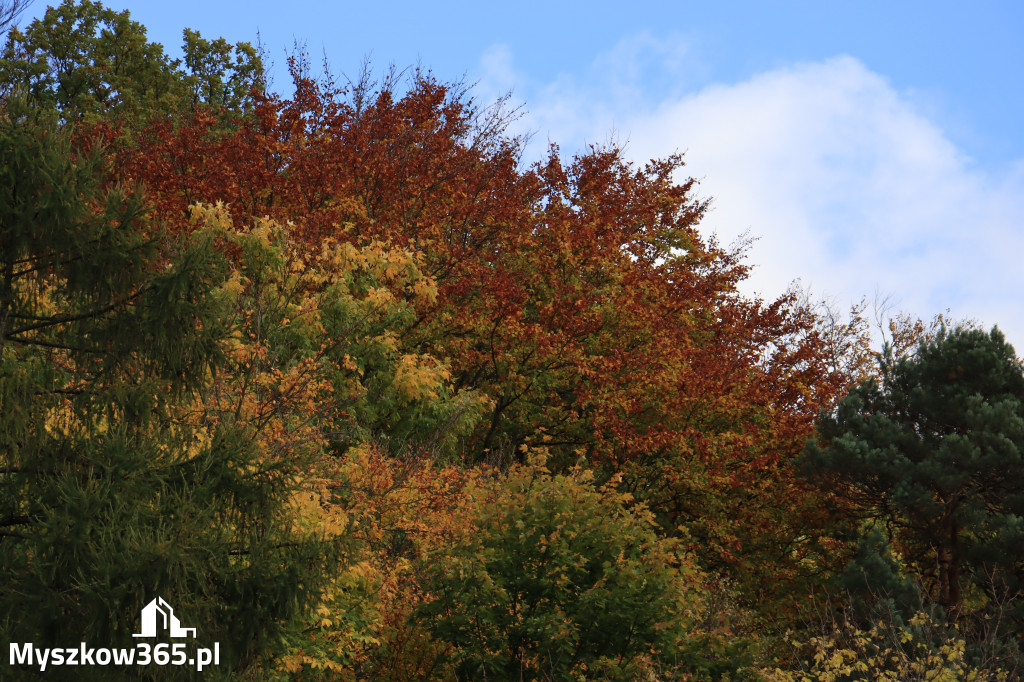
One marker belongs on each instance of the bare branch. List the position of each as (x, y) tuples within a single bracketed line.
[(10, 10)]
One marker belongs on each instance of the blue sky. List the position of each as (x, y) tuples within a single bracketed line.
[(866, 146)]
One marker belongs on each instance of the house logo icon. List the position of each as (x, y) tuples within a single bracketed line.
[(159, 613)]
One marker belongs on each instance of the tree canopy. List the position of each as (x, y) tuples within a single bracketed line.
[(935, 447), (374, 398)]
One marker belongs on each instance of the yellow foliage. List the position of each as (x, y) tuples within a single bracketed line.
[(367, 607), (887, 654), (286, 380), (419, 376)]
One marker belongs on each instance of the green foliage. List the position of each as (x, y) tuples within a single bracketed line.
[(558, 579), (82, 58), (936, 448), (345, 309), (86, 60), (220, 74), (400, 397), (109, 494), (877, 584)]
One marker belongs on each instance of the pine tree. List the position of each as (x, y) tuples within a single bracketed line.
[(936, 448), (109, 495)]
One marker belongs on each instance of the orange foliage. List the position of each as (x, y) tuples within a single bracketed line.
[(395, 511), (579, 297)]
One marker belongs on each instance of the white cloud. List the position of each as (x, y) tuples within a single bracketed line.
[(846, 185)]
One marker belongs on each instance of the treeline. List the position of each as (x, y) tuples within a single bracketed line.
[(366, 397)]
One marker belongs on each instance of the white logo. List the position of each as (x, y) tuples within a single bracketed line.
[(157, 615), (170, 622)]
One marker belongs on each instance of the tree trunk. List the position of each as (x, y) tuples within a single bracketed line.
[(948, 556)]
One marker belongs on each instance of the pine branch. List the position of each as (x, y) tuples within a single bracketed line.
[(58, 346), (20, 520), (50, 322)]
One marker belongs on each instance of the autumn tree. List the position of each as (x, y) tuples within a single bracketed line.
[(313, 366), (372, 299), (934, 448), (578, 296), (111, 495), (398, 509)]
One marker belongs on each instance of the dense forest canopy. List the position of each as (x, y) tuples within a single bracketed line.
[(374, 399)]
